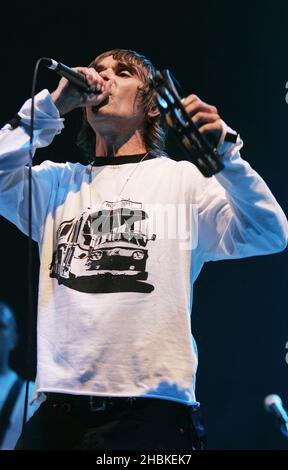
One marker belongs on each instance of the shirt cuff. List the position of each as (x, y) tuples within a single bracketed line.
[(46, 114), (226, 148)]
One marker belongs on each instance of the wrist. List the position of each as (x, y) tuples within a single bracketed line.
[(60, 103), (230, 142)]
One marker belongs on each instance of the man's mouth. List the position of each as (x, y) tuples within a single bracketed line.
[(100, 105)]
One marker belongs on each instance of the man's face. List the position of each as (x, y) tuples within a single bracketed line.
[(123, 107)]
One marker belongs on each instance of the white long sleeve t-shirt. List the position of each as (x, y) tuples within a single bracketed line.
[(118, 259)]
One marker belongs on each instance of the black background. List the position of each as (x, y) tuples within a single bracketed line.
[(233, 55)]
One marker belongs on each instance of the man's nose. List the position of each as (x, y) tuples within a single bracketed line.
[(106, 74)]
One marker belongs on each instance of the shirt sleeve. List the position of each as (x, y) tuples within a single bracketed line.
[(238, 216), (14, 157)]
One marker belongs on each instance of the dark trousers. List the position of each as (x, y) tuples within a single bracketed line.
[(69, 422)]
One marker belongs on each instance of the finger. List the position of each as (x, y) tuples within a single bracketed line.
[(93, 99), (94, 80), (190, 99), (199, 106), (204, 117), (212, 131), (211, 126)]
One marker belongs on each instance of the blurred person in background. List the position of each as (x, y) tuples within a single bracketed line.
[(12, 387)]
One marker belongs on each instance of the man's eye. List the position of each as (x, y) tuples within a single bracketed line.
[(125, 73)]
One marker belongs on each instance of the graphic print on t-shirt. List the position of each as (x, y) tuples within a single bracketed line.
[(105, 251)]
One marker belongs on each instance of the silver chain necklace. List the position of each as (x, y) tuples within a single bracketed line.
[(115, 199)]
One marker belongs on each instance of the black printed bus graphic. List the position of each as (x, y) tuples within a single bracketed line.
[(111, 242)]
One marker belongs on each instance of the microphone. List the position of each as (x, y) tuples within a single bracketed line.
[(75, 78), (273, 404)]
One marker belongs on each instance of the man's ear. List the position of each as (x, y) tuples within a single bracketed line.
[(154, 111)]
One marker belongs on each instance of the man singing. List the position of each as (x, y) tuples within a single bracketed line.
[(116, 356)]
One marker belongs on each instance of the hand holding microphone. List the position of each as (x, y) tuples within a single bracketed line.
[(78, 87)]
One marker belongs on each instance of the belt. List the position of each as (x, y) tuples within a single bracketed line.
[(89, 402), (97, 403)]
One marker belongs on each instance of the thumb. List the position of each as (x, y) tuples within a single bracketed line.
[(95, 99)]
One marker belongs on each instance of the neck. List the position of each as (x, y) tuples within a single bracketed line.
[(119, 145)]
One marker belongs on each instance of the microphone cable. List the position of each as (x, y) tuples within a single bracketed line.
[(30, 316), (77, 80)]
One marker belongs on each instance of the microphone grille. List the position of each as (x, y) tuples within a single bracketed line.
[(272, 400)]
